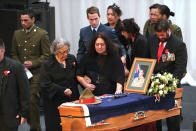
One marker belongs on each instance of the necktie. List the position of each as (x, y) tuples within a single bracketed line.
[(94, 32), (161, 47)]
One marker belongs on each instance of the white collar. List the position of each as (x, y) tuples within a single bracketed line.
[(96, 27)]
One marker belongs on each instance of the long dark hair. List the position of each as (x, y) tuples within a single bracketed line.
[(110, 46), (130, 26), (164, 10), (115, 9)]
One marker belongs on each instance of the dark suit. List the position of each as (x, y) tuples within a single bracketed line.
[(177, 67), (174, 45), (14, 94), (86, 34)]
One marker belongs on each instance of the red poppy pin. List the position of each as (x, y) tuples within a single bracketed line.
[(166, 51), (6, 72), (157, 97), (74, 63)]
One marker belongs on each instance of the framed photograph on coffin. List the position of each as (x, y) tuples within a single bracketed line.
[(140, 74)]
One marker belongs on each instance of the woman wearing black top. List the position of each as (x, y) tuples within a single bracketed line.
[(113, 16), (58, 82), (138, 46), (103, 66)]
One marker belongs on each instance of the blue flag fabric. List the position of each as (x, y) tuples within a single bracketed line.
[(137, 70), (133, 102)]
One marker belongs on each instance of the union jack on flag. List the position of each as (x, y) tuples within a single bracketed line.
[(137, 70)]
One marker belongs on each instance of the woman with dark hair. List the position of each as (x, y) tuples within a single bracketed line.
[(103, 66), (58, 82), (113, 16), (137, 43), (165, 13)]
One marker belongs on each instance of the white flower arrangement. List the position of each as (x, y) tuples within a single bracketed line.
[(162, 84)]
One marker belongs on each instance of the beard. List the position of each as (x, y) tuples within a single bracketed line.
[(165, 39)]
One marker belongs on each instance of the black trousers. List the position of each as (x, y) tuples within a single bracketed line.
[(173, 124)]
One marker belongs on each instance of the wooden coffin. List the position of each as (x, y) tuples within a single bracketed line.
[(118, 122)]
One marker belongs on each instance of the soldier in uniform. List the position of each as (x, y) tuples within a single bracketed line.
[(150, 23), (157, 12), (175, 29), (30, 46)]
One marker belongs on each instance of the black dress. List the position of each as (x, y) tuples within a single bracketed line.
[(104, 72), (54, 80)]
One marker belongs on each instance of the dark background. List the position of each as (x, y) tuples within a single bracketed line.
[(10, 18)]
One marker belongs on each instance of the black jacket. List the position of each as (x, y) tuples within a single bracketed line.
[(174, 46), (121, 38), (55, 79), (14, 92)]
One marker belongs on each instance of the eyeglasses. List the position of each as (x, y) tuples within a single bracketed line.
[(64, 52)]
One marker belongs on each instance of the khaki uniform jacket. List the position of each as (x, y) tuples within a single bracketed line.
[(150, 28), (32, 46), (175, 30)]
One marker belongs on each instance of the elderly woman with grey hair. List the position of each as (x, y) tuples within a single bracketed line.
[(58, 82)]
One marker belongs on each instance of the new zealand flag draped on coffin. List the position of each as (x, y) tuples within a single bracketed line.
[(133, 102)]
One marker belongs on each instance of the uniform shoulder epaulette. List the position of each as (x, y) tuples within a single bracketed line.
[(41, 30), (176, 28)]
